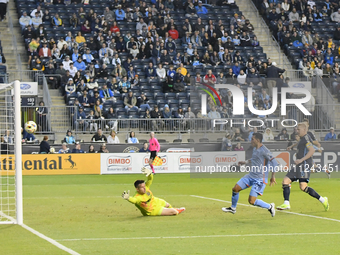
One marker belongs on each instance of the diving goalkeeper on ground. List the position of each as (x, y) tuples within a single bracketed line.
[(146, 202)]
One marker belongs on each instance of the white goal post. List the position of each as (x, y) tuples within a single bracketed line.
[(11, 199)]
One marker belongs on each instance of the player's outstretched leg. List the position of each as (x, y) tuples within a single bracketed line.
[(172, 211), (286, 193), (260, 203), (323, 200), (234, 199)]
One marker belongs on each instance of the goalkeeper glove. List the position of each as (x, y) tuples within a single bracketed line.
[(146, 171), (126, 195)]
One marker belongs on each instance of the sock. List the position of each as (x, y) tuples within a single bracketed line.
[(286, 193), (153, 170), (312, 192), (260, 203), (170, 206), (234, 199), (286, 202), (322, 200)]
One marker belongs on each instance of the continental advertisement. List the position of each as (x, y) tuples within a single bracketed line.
[(52, 164)]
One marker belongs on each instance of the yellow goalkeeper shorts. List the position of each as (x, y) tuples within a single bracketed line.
[(159, 206)]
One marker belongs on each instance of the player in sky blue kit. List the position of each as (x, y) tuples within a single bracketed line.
[(262, 162)]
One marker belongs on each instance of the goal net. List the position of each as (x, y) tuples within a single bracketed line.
[(10, 155)]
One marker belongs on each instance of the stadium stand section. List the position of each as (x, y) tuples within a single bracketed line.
[(309, 34)]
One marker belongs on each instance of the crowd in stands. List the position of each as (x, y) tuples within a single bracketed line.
[(124, 59), (309, 33)]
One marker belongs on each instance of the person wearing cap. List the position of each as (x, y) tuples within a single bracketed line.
[(64, 149), (77, 149), (70, 88), (200, 9), (103, 148), (25, 21), (331, 135)]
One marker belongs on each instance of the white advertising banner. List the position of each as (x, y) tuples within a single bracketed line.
[(122, 163), (301, 85), (28, 88)]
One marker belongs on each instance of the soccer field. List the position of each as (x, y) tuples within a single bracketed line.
[(87, 215)]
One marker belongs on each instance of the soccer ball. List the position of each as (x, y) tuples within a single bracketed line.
[(30, 127), (52, 150)]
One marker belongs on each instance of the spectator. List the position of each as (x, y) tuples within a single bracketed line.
[(91, 149), (238, 147), (99, 136), (70, 88), (103, 149), (120, 14), (156, 114), (79, 119), (44, 146), (57, 21), (145, 148), (331, 136), (27, 136), (79, 64), (242, 78), (161, 73), (272, 76), (45, 52), (130, 101), (78, 149), (8, 138), (106, 94), (335, 17), (201, 10), (209, 78), (238, 135), (132, 138), (37, 10), (142, 102), (252, 131), (91, 120), (86, 28), (36, 20), (268, 135), (64, 149), (294, 15), (150, 72), (178, 85), (113, 138), (283, 136), (25, 21), (112, 119), (213, 114), (173, 33), (226, 142), (69, 139)]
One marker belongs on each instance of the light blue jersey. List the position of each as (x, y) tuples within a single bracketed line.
[(260, 160)]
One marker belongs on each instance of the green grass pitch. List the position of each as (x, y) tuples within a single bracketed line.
[(88, 215)]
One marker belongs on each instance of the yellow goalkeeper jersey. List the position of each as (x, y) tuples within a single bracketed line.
[(147, 203)]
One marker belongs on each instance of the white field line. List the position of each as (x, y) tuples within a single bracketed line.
[(300, 214), (50, 240), (66, 197), (191, 237)]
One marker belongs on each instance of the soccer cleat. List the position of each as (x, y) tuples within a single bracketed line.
[(179, 210), (272, 209), (326, 204), (283, 207), (229, 209)]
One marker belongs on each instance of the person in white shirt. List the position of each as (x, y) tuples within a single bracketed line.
[(104, 50), (61, 43), (39, 11), (161, 72), (268, 135), (67, 63), (72, 69), (113, 138), (241, 78)]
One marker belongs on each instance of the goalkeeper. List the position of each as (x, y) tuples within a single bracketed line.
[(145, 201)]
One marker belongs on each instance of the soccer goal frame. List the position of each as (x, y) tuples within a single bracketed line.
[(14, 93)]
